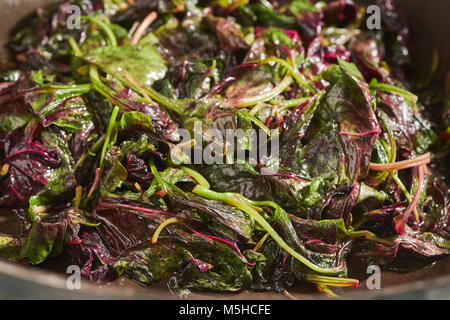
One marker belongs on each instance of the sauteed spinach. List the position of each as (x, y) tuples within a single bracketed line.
[(91, 108)]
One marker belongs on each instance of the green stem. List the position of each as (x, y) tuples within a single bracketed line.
[(97, 83), (78, 195), (258, 107), (109, 130), (163, 100), (404, 190), (109, 33), (286, 104), (298, 76), (392, 151), (246, 115), (95, 147), (374, 84), (158, 178), (368, 236), (165, 185), (261, 242), (392, 157), (74, 45), (162, 226), (250, 101), (233, 199), (196, 176), (324, 288), (267, 204), (149, 93), (67, 88), (101, 88), (331, 281)]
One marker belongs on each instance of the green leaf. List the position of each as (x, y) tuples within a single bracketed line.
[(72, 115), (14, 121), (61, 181), (333, 148), (134, 118), (260, 15), (144, 65), (277, 37), (114, 172), (351, 69), (298, 6), (10, 248), (139, 146), (44, 239), (375, 85), (44, 101)]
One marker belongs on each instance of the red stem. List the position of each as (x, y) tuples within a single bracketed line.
[(401, 221), (26, 151), (130, 207), (230, 243), (98, 174)]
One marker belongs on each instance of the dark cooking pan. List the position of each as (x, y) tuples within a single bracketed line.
[(430, 28)]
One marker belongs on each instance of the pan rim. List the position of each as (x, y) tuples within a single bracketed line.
[(91, 290)]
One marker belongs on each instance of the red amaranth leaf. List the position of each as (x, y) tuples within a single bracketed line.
[(30, 166)]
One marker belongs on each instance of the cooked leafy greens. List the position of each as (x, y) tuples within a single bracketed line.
[(89, 121)]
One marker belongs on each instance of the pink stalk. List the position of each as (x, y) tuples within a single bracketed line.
[(259, 30), (312, 242), (230, 243), (98, 174), (268, 121), (401, 222), (286, 175), (183, 71), (404, 164), (148, 20), (130, 207), (26, 151), (17, 194), (293, 34)]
